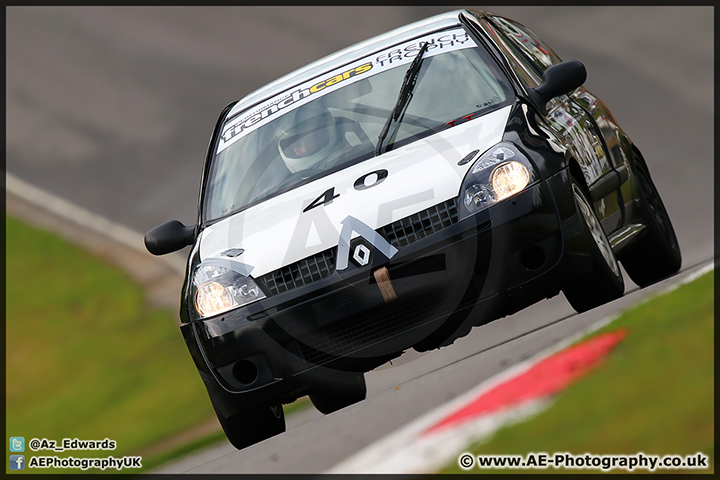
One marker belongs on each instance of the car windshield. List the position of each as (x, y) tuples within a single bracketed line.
[(334, 120)]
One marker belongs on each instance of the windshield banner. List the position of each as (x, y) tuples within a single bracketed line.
[(440, 42)]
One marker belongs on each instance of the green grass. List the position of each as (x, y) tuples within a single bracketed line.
[(87, 357), (653, 394)]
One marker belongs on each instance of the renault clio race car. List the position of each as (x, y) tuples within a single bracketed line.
[(393, 195)]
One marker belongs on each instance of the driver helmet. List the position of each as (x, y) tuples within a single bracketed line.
[(309, 140)]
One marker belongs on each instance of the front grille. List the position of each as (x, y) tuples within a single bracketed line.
[(381, 324), (410, 229), (363, 330), (400, 233), (303, 272)]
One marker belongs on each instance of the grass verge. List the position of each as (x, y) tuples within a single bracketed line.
[(88, 358), (653, 394)]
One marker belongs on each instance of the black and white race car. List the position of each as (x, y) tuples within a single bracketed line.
[(391, 196)]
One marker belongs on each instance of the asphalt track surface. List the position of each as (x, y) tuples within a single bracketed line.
[(111, 108)]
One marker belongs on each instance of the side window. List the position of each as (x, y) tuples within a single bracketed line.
[(523, 41)]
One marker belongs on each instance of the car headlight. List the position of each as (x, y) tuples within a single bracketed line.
[(218, 289), (499, 173)]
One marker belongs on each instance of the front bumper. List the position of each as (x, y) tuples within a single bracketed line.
[(475, 270)]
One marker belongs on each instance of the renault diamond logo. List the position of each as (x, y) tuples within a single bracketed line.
[(361, 255)]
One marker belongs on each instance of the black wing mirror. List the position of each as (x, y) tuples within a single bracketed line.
[(169, 237), (559, 79)]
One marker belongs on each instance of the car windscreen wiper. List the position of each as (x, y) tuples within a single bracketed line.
[(405, 94)]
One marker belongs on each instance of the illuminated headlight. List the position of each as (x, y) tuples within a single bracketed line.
[(508, 179), (218, 289), (499, 173)]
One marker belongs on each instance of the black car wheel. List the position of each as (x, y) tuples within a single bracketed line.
[(604, 282), (253, 425), (340, 394), (657, 254)]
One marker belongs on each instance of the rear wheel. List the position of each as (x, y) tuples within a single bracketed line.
[(340, 394), (253, 425), (604, 282), (657, 254)]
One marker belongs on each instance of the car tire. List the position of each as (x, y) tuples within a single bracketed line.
[(253, 425), (331, 398), (604, 283), (657, 254)]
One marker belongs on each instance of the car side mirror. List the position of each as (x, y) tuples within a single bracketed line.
[(169, 237), (559, 79)]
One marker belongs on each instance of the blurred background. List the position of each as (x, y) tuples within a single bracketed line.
[(111, 108)]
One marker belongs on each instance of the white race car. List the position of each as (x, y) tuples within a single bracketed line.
[(393, 195)]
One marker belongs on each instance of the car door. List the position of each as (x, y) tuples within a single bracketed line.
[(579, 130)]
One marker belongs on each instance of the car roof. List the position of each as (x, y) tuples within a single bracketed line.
[(347, 55)]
